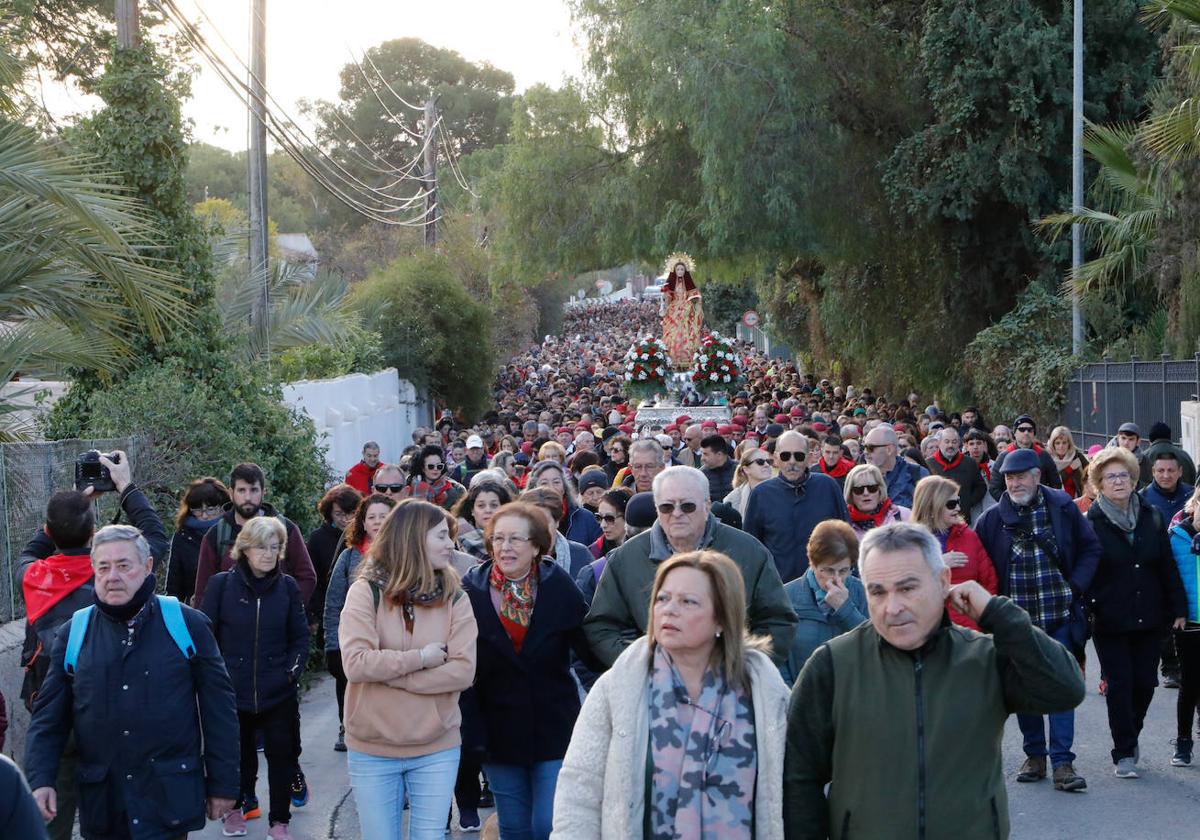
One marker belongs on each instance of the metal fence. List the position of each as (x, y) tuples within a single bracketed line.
[(763, 342), (1102, 396), (30, 473)]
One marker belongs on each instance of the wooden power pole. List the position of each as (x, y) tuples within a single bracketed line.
[(432, 211), (127, 24), (256, 162)]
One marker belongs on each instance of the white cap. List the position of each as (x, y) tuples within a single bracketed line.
[(474, 442)]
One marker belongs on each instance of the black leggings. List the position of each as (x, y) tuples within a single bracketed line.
[(1187, 646), (333, 664), (466, 786)]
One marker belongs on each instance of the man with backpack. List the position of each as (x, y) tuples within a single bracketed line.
[(55, 575), (139, 680), (247, 484)]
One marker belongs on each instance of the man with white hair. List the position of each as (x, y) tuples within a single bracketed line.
[(685, 523), (909, 689)]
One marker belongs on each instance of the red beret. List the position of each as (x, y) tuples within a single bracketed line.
[(562, 430), (740, 420), (527, 447), (781, 418), (681, 419), (583, 427), (671, 428), (725, 430), (709, 424), (797, 411), (820, 427), (899, 427)]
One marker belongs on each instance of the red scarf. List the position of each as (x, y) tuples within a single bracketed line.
[(937, 456), (49, 581), (1012, 447), (986, 469), (839, 469), (516, 602), (871, 520), (435, 493)]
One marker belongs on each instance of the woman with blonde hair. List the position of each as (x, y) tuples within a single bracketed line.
[(1068, 460), (938, 506), (408, 649), (867, 500), (683, 736), (552, 451), (754, 467)]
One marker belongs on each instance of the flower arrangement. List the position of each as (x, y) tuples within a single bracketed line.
[(718, 366), (646, 367)]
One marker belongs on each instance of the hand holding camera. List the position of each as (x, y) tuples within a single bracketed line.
[(97, 473)]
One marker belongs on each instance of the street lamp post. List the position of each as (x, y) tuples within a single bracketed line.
[(1077, 180)]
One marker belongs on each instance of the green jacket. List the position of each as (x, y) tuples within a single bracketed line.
[(622, 603), (915, 736)]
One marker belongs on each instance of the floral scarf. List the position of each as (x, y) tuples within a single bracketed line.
[(704, 756), (870, 520), (517, 598), (410, 599), (436, 492)]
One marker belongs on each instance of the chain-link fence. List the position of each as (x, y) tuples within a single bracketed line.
[(30, 473)]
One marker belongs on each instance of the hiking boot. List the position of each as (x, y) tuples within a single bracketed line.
[(279, 831), (1065, 778), (250, 809), (233, 824), (299, 792), (1033, 770), (340, 744), (1183, 752), (1126, 768)]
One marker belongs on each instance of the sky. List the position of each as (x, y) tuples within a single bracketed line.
[(308, 42)]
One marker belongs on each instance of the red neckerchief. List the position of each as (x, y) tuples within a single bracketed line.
[(986, 468), (840, 469), (516, 602), (363, 545), (937, 456), (871, 520), (49, 581), (1012, 447)]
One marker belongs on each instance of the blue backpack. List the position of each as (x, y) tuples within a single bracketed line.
[(172, 615)]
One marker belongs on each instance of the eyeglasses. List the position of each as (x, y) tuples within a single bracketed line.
[(209, 510), (435, 467), (668, 449), (668, 508), (787, 455), (1025, 429), (269, 549), (859, 489), (758, 462), (389, 488), (607, 518), (952, 504), (515, 541), (1116, 478)]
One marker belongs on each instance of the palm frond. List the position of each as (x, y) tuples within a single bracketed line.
[(1161, 13), (1176, 133)]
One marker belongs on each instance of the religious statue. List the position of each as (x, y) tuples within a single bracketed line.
[(681, 311)]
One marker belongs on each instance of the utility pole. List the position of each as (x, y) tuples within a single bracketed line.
[(1077, 181), (256, 162), (431, 204), (127, 24)]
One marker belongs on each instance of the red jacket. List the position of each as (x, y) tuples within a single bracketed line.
[(361, 477), (978, 567)]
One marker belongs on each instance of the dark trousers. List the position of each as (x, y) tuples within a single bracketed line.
[(1170, 657), (66, 787), (466, 786), (1130, 664), (333, 664), (281, 747), (1187, 644)]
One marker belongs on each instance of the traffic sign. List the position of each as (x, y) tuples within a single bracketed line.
[(750, 319)]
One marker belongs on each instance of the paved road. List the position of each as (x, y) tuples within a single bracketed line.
[(1162, 804)]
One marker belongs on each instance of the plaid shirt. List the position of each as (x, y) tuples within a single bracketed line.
[(1034, 581)]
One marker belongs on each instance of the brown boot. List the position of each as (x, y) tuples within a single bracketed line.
[(1065, 778), (1033, 770)]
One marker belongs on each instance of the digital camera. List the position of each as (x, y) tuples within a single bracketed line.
[(89, 472)]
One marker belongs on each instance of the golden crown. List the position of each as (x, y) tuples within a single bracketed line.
[(677, 258)]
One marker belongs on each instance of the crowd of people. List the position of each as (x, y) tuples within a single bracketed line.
[(612, 629)]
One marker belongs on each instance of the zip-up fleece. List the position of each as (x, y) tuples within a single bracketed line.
[(909, 741), (394, 707)]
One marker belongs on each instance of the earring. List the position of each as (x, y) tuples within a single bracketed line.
[(718, 634)]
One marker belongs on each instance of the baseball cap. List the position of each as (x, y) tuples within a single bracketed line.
[(474, 442)]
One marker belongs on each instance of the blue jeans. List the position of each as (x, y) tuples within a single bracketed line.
[(524, 798), (379, 786), (1062, 724)]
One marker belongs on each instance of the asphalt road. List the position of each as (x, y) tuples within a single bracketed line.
[(1163, 803)]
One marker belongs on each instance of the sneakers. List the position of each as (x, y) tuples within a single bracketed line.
[(1065, 778), (299, 792), (486, 800), (233, 824), (468, 819), (1183, 752), (250, 809), (1033, 770), (1170, 681), (1126, 768), (279, 831), (340, 744)]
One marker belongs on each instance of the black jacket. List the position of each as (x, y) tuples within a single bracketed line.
[(720, 480), (1137, 585), (156, 733), (324, 545), (263, 637), (965, 472), (528, 701), (181, 570), (19, 815)]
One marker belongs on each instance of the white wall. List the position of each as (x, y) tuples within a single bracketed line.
[(351, 410)]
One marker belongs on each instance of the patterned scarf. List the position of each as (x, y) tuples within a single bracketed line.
[(431, 492), (704, 755), (407, 601), (517, 598)]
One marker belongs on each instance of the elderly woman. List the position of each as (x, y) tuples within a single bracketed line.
[(684, 736), (867, 500), (754, 467), (1185, 544), (260, 625), (828, 599), (938, 506), (1069, 461), (552, 451), (530, 619), (1136, 598), (201, 506), (576, 523), (429, 480), (474, 511)]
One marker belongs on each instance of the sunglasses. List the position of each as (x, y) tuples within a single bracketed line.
[(952, 504), (786, 456), (859, 489), (607, 518), (758, 462), (871, 447), (668, 508), (435, 467), (1024, 428), (389, 488)]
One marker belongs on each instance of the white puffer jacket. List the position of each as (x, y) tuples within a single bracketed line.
[(601, 787)]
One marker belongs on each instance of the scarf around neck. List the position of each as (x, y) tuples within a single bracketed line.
[(517, 598), (126, 612), (937, 456), (411, 598), (704, 755), (870, 520), (1125, 520), (435, 492), (48, 581)]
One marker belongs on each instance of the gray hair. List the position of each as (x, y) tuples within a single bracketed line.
[(122, 533), (646, 444), (900, 536), (370, 445), (685, 474)]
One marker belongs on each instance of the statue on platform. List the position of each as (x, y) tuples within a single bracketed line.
[(681, 311)]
